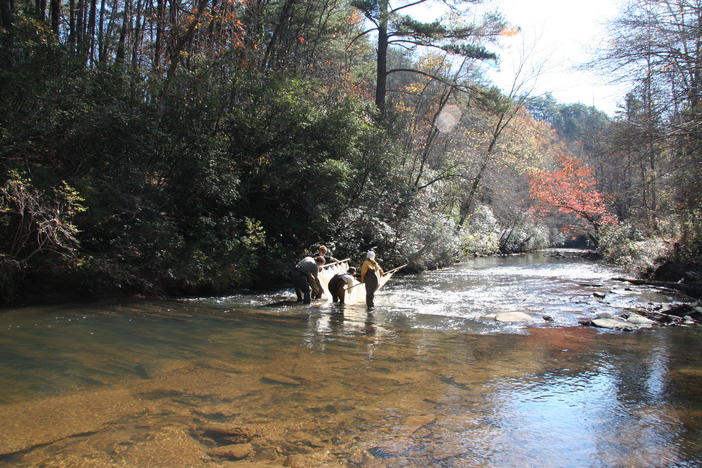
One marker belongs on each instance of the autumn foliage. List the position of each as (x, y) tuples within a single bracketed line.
[(570, 189)]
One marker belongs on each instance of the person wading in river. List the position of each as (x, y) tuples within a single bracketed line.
[(324, 253), (305, 278), (371, 272), (339, 283)]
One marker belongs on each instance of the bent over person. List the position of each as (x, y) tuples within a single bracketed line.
[(370, 274), (305, 278), (339, 283)]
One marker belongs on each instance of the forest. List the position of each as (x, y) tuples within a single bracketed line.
[(194, 147)]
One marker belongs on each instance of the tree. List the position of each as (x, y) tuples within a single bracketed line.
[(395, 28), (571, 189), (657, 46)]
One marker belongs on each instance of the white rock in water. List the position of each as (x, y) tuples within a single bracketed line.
[(514, 317), (639, 319), (614, 323)]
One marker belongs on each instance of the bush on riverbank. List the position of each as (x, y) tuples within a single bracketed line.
[(661, 256), (627, 246)]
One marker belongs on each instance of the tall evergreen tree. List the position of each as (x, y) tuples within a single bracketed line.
[(393, 27)]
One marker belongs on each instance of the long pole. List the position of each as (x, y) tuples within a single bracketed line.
[(336, 262), (386, 273)]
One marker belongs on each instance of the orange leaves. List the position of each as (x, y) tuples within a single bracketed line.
[(570, 189)]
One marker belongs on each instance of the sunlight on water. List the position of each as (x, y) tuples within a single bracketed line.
[(428, 378)]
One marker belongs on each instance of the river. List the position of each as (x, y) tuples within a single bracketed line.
[(428, 378)]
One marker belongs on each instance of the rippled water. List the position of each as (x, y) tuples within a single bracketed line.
[(429, 378)]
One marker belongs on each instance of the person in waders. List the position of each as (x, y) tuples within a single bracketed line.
[(305, 278), (325, 254), (371, 272), (339, 283)]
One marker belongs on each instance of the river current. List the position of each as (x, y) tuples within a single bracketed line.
[(428, 378)]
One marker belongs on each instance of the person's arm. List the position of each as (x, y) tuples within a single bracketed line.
[(364, 270)]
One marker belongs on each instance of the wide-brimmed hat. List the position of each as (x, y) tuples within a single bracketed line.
[(370, 254)]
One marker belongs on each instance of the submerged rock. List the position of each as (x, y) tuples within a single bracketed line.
[(233, 452), (232, 433), (639, 319), (280, 380), (629, 322), (613, 323), (514, 317)]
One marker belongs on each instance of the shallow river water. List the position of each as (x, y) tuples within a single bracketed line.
[(429, 378)]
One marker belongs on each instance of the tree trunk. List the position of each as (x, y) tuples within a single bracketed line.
[(138, 27), (100, 32), (90, 38), (269, 58), (72, 23), (382, 59), (55, 7), (175, 53), (160, 11), (126, 20), (80, 32), (40, 9), (105, 48), (6, 14)]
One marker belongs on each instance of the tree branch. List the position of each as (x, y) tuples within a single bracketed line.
[(360, 36), (407, 6), (463, 87)]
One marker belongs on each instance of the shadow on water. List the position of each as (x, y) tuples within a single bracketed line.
[(428, 378)]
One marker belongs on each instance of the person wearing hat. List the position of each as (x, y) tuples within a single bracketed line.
[(370, 274), (305, 278), (339, 283), (324, 253)]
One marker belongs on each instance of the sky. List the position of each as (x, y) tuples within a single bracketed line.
[(561, 35), (557, 36)]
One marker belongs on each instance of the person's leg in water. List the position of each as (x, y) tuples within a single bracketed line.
[(302, 287), (334, 285), (371, 286), (341, 293)]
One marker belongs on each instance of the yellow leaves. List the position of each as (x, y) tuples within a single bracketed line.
[(403, 108), (431, 62), (532, 145), (414, 88)]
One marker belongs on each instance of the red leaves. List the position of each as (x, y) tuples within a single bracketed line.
[(570, 190)]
